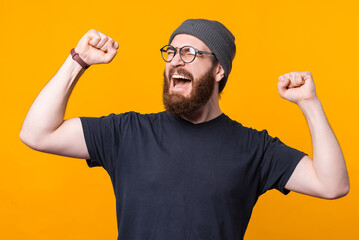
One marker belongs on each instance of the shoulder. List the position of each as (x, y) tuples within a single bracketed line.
[(247, 137), (245, 130)]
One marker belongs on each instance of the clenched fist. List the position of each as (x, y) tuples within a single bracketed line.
[(297, 87), (96, 48)]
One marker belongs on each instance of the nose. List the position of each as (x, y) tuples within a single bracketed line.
[(177, 61)]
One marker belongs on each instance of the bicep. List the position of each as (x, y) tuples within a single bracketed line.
[(305, 180), (67, 140)]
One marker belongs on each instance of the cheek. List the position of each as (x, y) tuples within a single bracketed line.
[(199, 70), (198, 74), (167, 69)]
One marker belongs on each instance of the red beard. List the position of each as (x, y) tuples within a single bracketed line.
[(181, 106)]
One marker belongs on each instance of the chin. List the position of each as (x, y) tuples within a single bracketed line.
[(184, 98)]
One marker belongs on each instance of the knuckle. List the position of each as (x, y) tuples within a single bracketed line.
[(95, 36), (104, 39), (93, 32)]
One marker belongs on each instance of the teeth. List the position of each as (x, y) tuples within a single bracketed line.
[(179, 76)]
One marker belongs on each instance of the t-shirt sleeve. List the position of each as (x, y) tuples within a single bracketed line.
[(277, 164), (102, 140)]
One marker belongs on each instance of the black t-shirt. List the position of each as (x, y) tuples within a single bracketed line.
[(177, 180)]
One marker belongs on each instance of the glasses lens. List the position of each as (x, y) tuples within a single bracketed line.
[(188, 54), (167, 53)]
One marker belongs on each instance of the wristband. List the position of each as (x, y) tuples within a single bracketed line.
[(76, 57)]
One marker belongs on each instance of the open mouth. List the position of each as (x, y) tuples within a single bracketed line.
[(180, 81)]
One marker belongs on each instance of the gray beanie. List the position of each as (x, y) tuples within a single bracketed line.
[(216, 36)]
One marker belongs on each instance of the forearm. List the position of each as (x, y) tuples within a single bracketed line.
[(328, 159), (47, 111)]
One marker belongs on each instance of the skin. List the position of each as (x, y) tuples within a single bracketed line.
[(202, 90), (325, 175), (44, 128), (197, 68)]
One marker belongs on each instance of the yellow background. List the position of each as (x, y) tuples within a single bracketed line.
[(51, 197)]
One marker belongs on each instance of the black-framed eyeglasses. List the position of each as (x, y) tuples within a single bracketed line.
[(187, 53)]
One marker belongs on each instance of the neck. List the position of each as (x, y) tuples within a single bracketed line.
[(207, 112)]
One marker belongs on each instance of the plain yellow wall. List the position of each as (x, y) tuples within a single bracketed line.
[(51, 197)]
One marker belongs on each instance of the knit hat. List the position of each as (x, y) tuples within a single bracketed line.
[(216, 36)]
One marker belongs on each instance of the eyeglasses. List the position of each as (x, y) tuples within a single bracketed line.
[(187, 53)]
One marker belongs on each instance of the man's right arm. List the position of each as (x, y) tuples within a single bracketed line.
[(44, 128)]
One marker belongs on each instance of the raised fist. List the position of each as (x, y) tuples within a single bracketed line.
[(297, 87), (96, 48)]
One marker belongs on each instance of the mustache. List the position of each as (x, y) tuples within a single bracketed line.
[(180, 71)]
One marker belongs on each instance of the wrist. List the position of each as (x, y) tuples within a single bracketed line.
[(76, 57), (308, 107), (72, 67)]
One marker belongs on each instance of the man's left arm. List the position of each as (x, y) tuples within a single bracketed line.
[(326, 175)]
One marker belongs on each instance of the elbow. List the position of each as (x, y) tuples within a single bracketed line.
[(343, 192), (338, 193), (26, 138), (29, 140), (23, 137)]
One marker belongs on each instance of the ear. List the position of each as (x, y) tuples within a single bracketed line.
[(219, 72)]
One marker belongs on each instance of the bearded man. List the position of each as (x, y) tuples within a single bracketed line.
[(189, 172)]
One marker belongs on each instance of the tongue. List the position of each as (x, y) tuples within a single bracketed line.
[(182, 83)]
